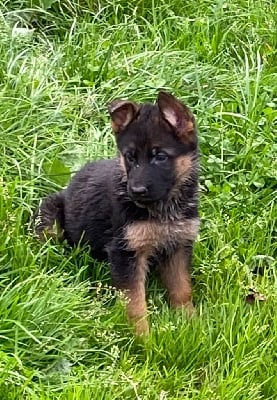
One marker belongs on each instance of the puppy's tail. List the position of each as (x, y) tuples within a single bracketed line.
[(48, 219)]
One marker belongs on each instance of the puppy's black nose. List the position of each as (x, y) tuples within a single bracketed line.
[(139, 190)]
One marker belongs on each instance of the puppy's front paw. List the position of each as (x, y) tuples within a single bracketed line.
[(141, 327), (190, 309)]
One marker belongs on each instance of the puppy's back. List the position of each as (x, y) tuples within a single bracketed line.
[(88, 205)]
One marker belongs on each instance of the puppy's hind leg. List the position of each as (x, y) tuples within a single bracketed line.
[(48, 219)]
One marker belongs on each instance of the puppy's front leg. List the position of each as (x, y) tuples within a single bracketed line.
[(129, 273), (175, 276)]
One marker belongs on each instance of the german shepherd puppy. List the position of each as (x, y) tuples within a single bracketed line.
[(140, 208)]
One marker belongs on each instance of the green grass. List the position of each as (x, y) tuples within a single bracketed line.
[(62, 335)]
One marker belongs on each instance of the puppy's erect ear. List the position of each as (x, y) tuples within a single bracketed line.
[(178, 115), (122, 112)]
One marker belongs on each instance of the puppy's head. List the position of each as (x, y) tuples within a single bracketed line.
[(157, 145)]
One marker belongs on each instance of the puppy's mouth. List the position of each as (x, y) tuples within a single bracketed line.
[(144, 201), (140, 205)]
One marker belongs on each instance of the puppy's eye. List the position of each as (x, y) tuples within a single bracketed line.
[(130, 158), (160, 158)]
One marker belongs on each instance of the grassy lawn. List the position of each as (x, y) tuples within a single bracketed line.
[(62, 334)]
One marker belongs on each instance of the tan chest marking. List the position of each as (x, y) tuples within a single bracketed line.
[(146, 236)]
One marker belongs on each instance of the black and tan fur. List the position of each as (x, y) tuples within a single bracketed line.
[(140, 209)]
